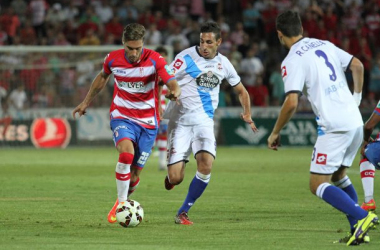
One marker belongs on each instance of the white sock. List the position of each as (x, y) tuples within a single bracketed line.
[(367, 173), (203, 177), (162, 153), (123, 175)]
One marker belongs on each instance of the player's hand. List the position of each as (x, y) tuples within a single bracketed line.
[(80, 109), (364, 145), (274, 141), (173, 95), (247, 118), (160, 111)]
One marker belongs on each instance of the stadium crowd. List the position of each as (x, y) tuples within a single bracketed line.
[(248, 31)]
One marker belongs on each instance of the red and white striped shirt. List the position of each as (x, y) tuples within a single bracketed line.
[(135, 95)]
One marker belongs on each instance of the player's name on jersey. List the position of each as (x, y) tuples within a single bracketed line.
[(308, 46)]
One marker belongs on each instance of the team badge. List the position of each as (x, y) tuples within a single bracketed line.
[(141, 71), (220, 66), (283, 71), (177, 64), (321, 159)]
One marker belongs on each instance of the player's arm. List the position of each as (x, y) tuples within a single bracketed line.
[(357, 69), (287, 110), (97, 85), (246, 104)]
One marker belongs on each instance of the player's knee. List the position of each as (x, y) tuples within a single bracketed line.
[(175, 178)]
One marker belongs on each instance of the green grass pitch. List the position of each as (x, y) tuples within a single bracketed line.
[(256, 199)]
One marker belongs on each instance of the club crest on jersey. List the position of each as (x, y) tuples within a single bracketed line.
[(207, 81), (141, 71), (177, 64), (220, 66), (321, 159), (283, 71)]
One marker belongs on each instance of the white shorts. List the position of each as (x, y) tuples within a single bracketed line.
[(335, 149), (184, 139)]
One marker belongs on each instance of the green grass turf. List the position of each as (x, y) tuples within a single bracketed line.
[(257, 199)]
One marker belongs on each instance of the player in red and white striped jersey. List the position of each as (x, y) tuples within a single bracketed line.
[(134, 110)]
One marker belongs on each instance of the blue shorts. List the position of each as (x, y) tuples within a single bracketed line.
[(372, 153), (142, 138)]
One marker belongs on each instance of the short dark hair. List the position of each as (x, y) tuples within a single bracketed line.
[(133, 32), (162, 50), (289, 23), (213, 27)]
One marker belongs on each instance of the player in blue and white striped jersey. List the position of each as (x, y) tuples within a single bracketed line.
[(199, 71)]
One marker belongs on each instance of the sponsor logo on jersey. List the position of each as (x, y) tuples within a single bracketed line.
[(207, 81), (50, 133), (283, 71), (177, 64), (131, 85), (321, 159)]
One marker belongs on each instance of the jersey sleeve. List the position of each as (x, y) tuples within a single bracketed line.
[(293, 76), (107, 65), (344, 57), (178, 66), (232, 76), (163, 70)]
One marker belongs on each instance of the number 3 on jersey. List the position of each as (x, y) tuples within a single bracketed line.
[(320, 53)]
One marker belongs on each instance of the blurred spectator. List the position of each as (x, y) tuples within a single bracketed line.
[(146, 18), (214, 7), (61, 40), (179, 10), (3, 36), (330, 18), (244, 47), (41, 98), (196, 9), (3, 95), (127, 12), (70, 11), (28, 34), (225, 46), (191, 31), (37, 9), (374, 82), (238, 34), (250, 19), (178, 39), (104, 11), (152, 35), (277, 86), (90, 39), (115, 28), (55, 16), (88, 22), (259, 93), (224, 27), (17, 98), (10, 23), (251, 67), (67, 85), (235, 57), (160, 21), (20, 8)]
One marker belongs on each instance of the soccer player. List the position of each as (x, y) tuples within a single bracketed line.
[(371, 159), (162, 140), (134, 107), (199, 71), (319, 66)]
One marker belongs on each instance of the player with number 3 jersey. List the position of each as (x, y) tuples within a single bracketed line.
[(316, 67)]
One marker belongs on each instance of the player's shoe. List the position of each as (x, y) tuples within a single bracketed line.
[(168, 185), (362, 227), (344, 240), (369, 206), (112, 214), (183, 219)]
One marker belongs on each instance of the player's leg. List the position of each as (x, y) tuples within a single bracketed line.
[(179, 140), (123, 136), (162, 142), (204, 150), (367, 173), (143, 149)]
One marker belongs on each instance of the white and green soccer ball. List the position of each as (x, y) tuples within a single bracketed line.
[(129, 213)]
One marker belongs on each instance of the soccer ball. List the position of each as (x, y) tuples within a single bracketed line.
[(129, 213)]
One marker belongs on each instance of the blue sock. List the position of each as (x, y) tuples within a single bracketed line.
[(337, 198), (196, 188), (346, 185)]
